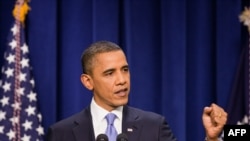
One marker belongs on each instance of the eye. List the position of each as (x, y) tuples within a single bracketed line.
[(109, 73), (125, 69)]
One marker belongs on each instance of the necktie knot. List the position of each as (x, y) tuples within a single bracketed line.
[(110, 117)]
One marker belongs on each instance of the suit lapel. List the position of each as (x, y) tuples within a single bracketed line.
[(83, 130), (130, 126)]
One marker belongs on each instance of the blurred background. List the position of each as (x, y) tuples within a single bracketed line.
[(183, 54)]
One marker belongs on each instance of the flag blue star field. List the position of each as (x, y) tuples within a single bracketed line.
[(20, 119)]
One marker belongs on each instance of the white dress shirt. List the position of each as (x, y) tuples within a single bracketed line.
[(98, 118)]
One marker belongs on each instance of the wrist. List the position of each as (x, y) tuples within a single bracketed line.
[(209, 139)]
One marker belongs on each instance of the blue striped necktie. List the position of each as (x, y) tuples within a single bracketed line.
[(111, 131)]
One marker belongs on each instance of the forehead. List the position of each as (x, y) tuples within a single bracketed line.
[(110, 59)]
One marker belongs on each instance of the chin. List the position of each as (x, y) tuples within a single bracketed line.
[(122, 102)]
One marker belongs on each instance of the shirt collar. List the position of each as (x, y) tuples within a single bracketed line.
[(98, 113)]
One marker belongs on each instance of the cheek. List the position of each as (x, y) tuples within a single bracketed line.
[(105, 86), (108, 82)]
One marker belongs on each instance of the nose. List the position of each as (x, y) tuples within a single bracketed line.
[(121, 78)]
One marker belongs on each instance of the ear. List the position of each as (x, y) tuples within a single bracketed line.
[(87, 81)]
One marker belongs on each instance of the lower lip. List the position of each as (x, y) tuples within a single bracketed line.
[(121, 94)]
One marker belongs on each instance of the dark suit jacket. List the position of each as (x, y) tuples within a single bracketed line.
[(137, 124)]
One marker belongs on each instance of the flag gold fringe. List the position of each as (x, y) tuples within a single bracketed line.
[(245, 18), (20, 10)]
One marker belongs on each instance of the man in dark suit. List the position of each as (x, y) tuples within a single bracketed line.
[(106, 74)]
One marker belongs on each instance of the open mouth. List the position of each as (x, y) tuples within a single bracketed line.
[(121, 92)]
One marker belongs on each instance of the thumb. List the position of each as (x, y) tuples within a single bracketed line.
[(207, 110)]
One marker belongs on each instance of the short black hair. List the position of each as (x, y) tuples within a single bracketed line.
[(98, 47)]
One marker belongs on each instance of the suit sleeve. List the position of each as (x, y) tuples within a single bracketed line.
[(50, 136), (59, 134), (165, 132)]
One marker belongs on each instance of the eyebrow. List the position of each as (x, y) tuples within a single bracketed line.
[(109, 70), (125, 66)]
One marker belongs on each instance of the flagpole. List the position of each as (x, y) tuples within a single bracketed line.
[(17, 74), (19, 13)]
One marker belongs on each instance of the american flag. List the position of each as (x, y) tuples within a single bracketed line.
[(20, 119), (239, 103)]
